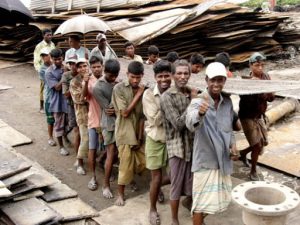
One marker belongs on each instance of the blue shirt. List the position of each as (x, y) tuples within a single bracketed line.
[(213, 134), (57, 100), (47, 90)]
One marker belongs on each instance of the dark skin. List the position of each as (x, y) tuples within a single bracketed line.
[(102, 45), (196, 68), (48, 37), (163, 81), (153, 58), (129, 50)]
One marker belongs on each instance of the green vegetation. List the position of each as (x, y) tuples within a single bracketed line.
[(257, 3)]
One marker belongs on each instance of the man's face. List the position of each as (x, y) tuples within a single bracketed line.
[(111, 78), (73, 43), (48, 37), (134, 80), (164, 80), (57, 61), (46, 59), (153, 58), (102, 43), (129, 50), (196, 68), (181, 76), (97, 69), (82, 68), (257, 68), (215, 85), (72, 66)]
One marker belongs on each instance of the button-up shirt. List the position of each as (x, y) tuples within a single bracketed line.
[(37, 59), (179, 139), (213, 134), (109, 53), (102, 92), (151, 107), (57, 100), (127, 129)]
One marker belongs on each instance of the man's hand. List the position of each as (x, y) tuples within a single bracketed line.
[(110, 111), (86, 77), (204, 105), (234, 153)]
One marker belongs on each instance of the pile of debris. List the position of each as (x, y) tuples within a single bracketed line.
[(30, 195), (185, 26)]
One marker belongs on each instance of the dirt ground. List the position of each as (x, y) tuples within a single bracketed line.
[(19, 108)]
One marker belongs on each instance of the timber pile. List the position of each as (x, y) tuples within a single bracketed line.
[(17, 43), (29, 195), (185, 26)]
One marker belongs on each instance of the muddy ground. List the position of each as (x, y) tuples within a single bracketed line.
[(19, 108)]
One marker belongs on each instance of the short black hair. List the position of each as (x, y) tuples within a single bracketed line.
[(128, 43), (75, 37), (55, 53), (112, 66), (197, 58), (223, 58), (45, 31), (136, 68), (180, 62), (162, 66), (95, 59), (172, 56), (153, 50)]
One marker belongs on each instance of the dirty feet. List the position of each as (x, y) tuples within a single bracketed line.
[(92, 185), (254, 176), (175, 222), (244, 159), (106, 192), (120, 201), (154, 218)]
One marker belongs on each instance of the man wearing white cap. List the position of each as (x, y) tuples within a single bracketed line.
[(210, 116), (103, 49)]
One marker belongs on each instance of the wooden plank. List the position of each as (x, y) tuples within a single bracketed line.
[(4, 192), (58, 191), (30, 194), (4, 87), (73, 209), (28, 212), (11, 136), (20, 177)]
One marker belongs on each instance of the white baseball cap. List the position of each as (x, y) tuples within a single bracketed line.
[(81, 60), (215, 69), (45, 51), (71, 58), (101, 36)]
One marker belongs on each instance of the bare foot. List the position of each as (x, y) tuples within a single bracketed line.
[(175, 222), (120, 201), (154, 218), (107, 192)]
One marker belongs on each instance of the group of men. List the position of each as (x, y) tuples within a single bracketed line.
[(165, 126)]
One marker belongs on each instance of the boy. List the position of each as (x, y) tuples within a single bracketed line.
[(94, 115), (129, 52), (210, 116), (197, 63), (153, 55), (155, 148), (58, 104), (76, 48), (102, 91), (127, 102)]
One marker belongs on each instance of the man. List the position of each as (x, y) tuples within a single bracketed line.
[(252, 110), (76, 48), (153, 55), (58, 104), (179, 139), (94, 115), (224, 58), (103, 49), (155, 148), (81, 112), (129, 52), (127, 102), (45, 54), (102, 91), (210, 116), (197, 63), (66, 80), (172, 57), (38, 62)]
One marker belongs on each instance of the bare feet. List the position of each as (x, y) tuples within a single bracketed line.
[(107, 192), (120, 201), (154, 218)]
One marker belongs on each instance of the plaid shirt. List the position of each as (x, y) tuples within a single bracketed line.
[(179, 139)]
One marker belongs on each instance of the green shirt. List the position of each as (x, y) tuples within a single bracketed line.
[(37, 59), (126, 129)]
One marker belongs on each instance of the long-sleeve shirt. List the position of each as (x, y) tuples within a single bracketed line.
[(179, 139), (37, 59), (213, 134)]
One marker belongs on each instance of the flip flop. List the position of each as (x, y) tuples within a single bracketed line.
[(154, 219)]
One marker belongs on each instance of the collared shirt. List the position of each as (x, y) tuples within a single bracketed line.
[(102, 92), (151, 107), (109, 53), (179, 139), (94, 113), (66, 80), (57, 101), (213, 134), (126, 129), (37, 59), (135, 58), (80, 105), (80, 52), (47, 90)]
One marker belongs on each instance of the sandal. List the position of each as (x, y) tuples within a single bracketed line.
[(92, 185), (154, 218)]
